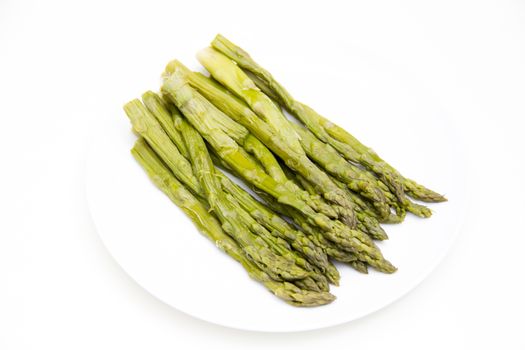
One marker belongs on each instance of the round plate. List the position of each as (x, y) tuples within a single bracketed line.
[(158, 246)]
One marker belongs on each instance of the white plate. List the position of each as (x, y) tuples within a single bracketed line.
[(159, 247)]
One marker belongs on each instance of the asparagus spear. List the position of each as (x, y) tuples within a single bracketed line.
[(279, 228), (313, 234), (355, 151), (400, 206), (274, 222), (197, 109), (231, 76), (330, 159), (314, 280), (307, 244), (253, 146), (330, 272), (234, 220), (301, 181), (331, 249), (400, 209), (157, 107), (366, 218), (334, 164), (242, 114), (327, 131), (145, 124), (359, 266), (311, 284), (211, 228), (370, 226)]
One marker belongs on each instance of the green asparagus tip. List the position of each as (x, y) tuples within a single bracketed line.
[(359, 266), (300, 297), (419, 210), (386, 267)]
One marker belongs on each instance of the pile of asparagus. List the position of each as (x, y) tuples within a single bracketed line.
[(321, 195)]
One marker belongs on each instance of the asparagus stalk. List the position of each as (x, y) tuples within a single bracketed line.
[(364, 155), (197, 109), (330, 272), (368, 208), (313, 234), (157, 107), (262, 85), (327, 131), (370, 226), (272, 239), (342, 212), (301, 181), (313, 281), (253, 146), (279, 228), (145, 124), (237, 110), (334, 164), (231, 76), (211, 228), (275, 223), (234, 220), (162, 114), (331, 249), (366, 218), (400, 206)]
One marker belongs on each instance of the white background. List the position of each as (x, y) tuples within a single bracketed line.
[(59, 61)]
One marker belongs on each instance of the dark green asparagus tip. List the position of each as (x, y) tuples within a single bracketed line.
[(300, 297), (422, 193), (428, 196), (386, 267), (437, 198), (359, 266), (419, 210)]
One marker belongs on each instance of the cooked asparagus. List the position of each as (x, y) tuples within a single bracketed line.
[(234, 220), (274, 222), (327, 131), (157, 107), (211, 228), (320, 194), (145, 124), (195, 108), (241, 113)]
